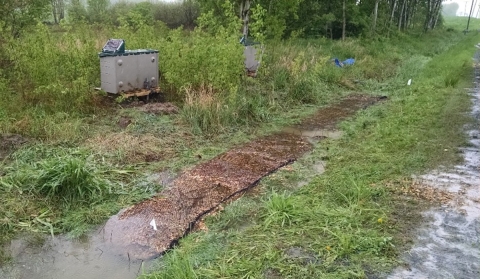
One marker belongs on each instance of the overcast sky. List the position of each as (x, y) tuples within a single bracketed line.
[(464, 7)]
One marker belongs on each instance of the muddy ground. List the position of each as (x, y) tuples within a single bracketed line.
[(8, 143), (447, 245)]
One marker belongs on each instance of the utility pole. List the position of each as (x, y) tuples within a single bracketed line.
[(470, 14), (344, 24)]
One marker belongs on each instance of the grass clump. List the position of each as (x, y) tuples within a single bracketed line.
[(67, 178), (279, 209)]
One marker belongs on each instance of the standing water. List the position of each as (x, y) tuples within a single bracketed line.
[(448, 246), (60, 257)]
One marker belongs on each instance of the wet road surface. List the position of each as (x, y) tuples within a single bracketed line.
[(448, 245)]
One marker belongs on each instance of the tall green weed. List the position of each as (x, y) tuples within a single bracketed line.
[(57, 73), (67, 178)]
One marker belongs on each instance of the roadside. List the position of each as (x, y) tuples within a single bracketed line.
[(447, 245)]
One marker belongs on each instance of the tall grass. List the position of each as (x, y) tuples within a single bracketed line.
[(57, 73), (55, 189), (51, 72), (66, 178)]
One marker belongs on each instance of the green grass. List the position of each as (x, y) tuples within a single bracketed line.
[(459, 23), (346, 219)]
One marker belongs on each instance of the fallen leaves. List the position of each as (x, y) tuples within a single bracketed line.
[(428, 193)]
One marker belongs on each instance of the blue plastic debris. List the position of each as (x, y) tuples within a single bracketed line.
[(348, 62)]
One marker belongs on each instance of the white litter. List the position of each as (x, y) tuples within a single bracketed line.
[(153, 224), (409, 82)]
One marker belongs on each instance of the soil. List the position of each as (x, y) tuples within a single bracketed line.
[(9, 142), (447, 245), (124, 121), (159, 108), (149, 228)]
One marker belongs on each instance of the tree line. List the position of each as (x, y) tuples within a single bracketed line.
[(276, 18)]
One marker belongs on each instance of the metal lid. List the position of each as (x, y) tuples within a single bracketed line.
[(116, 47)]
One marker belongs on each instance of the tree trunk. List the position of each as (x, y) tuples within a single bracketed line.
[(54, 11), (393, 10), (375, 16), (413, 14), (433, 13), (400, 18), (244, 15), (429, 14), (344, 25), (437, 13), (61, 12)]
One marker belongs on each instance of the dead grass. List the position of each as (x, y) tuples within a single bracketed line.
[(427, 193), (131, 149), (204, 97)]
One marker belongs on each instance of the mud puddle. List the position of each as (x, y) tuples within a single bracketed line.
[(144, 231), (448, 245), (61, 257)]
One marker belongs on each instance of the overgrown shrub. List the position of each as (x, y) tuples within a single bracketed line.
[(57, 73)]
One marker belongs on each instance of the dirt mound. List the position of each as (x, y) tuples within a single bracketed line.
[(328, 117), (8, 141)]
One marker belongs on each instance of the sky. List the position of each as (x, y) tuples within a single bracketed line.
[(464, 7)]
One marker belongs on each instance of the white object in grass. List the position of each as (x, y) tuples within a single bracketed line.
[(153, 224)]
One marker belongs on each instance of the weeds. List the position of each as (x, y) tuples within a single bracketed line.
[(71, 179), (279, 210), (60, 178)]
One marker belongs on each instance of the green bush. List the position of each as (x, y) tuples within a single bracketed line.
[(57, 73)]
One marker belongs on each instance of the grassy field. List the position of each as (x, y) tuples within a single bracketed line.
[(79, 166)]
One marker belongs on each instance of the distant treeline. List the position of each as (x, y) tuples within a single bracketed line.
[(278, 18), (173, 14)]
